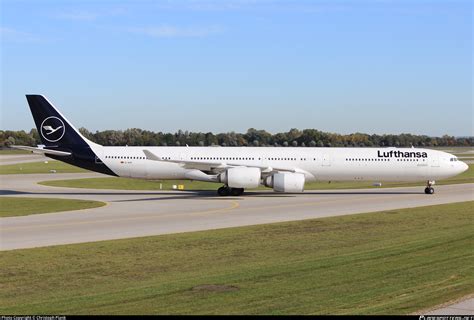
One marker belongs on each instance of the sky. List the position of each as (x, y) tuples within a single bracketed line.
[(213, 65)]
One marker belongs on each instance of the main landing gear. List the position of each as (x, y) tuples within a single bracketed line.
[(228, 191), (429, 189)]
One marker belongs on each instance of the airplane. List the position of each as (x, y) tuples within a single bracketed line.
[(284, 169)]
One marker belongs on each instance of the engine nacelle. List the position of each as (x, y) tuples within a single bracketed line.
[(241, 177), (285, 182)]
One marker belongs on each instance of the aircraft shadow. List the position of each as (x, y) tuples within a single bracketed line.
[(204, 194), (211, 195)]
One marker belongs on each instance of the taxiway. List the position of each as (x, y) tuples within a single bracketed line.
[(144, 213)]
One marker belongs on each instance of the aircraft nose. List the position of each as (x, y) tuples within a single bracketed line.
[(464, 166)]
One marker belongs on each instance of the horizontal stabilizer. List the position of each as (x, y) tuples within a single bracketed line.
[(43, 151)]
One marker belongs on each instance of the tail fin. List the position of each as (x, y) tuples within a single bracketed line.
[(61, 140), (54, 130)]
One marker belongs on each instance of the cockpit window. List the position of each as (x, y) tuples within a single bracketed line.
[(453, 159)]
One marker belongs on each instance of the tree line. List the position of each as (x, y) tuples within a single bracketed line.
[(253, 137)]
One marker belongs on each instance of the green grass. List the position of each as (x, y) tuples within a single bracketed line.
[(13, 151), (135, 184), (40, 167), (392, 262), (13, 206)]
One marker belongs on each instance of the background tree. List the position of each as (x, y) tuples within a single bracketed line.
[(253, 137)]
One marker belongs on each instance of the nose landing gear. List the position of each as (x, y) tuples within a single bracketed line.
[(225, 191), (429, 189)]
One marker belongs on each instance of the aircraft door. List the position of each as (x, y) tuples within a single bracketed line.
[(326, 160), (435, 161)]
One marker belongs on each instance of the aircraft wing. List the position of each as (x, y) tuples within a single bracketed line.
[(213, 165), (204, 166), (43, 151)]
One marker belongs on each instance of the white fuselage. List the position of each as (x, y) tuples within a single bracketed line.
[(326, 164)]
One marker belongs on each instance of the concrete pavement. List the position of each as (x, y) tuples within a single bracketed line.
[(143, 213)]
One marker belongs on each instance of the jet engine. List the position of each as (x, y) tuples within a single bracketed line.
[(285, 182), (241, 177)]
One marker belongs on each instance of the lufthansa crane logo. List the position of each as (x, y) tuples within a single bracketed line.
[(52, 129)]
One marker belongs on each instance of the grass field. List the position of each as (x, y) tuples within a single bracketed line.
[(392, 262), (40, 167), (13, 151), (135, 184), (16, 206)]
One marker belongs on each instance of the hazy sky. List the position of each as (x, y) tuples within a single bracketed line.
[(213, 65)]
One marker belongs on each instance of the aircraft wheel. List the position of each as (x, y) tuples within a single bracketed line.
[(429, 190), (223, 191)]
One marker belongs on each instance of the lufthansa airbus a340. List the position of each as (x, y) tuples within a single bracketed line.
[(237, 168)]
